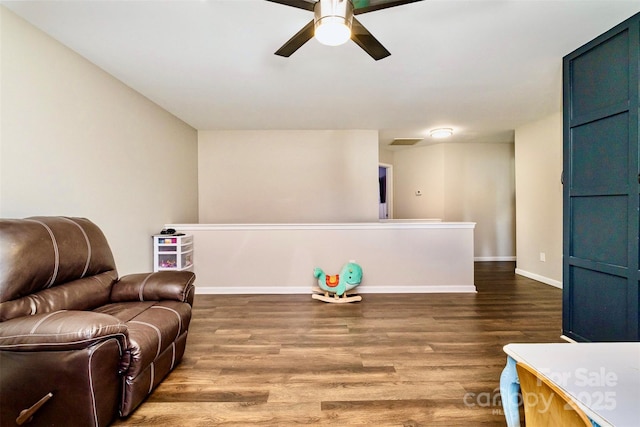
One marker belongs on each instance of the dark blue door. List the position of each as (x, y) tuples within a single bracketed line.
[(601, 182)]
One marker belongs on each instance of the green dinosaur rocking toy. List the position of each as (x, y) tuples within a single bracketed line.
[(337, 288)]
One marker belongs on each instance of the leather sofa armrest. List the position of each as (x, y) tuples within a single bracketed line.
[(60, 330), (162, 285)]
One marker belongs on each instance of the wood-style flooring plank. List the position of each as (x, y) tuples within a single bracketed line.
[(390, 360)]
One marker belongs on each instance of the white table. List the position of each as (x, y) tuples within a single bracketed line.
[(603, 378)]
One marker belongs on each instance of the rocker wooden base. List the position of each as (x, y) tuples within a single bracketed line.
[(347, 297)]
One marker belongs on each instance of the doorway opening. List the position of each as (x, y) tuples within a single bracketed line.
[(385, 179)]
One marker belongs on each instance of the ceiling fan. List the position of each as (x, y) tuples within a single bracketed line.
[(334, 23)]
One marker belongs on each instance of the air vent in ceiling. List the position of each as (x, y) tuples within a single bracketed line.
[(406, 141)]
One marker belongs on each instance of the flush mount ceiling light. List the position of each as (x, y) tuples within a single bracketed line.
[(332, 21), (441, 133)]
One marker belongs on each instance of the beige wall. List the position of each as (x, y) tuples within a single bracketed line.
[(419, 169), (539, 195), (479, 185), (385, 156), (288, 176), (461, 182), (75, 141)]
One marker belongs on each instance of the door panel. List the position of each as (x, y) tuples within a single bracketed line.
[(600, 156), (601, 222), (600, 77), (611, 293), (599, 229)]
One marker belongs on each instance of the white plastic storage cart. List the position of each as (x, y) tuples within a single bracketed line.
[(172, 252)]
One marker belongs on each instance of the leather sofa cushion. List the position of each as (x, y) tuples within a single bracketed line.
[(152, 326), (42, 252), (60, 330), (82, 294), (173, 285)]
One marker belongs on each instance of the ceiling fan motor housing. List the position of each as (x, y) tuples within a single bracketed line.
[(333, 17)]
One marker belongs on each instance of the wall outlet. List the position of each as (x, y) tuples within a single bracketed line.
[(543, 257)]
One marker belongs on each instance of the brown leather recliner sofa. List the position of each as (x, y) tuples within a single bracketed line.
[(74, 338)]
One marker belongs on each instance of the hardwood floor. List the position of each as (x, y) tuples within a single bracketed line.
[(390, 360)]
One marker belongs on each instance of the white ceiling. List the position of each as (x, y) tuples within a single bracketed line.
[(482, 67)]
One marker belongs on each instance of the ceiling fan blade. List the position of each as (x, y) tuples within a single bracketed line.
[(367, 42), (295, 42), (365, 6), (300, 4)]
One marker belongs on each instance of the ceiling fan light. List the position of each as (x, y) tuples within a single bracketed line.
[(332, 31), (441, 133), (332, 21)]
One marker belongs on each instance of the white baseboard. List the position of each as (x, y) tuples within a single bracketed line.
[(539, 278), (251, 290), (271, 290), (425, 289), (494, 258)]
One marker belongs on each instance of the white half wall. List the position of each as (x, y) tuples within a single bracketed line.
[(75, 141), (401, 256), (288, 176)]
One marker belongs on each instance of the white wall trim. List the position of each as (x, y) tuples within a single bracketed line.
[(257, 290), (389, 224), (494, 258), (539, 278)]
